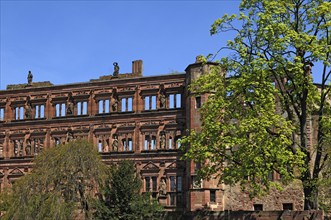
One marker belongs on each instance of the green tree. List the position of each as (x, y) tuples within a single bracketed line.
[(121, 197), (255, 122), (61, 185)]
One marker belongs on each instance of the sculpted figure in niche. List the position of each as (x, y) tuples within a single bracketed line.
[(162, 141), (28, 109), (162, 97), (21, 150), (70, 106), (115, 105), (116, 69), (69, 137), (1, 150), (36, 147), (115, 143), (30, 76), (162, 100), (16, 147), (28, 147), (115, 102), (163, 187)]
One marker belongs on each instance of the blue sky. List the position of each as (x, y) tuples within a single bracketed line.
[(75, 41)]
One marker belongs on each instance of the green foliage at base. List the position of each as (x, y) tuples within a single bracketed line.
[(121, 197), (64, 179)]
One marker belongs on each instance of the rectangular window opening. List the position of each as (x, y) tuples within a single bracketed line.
[(153, 143), (172, 184), (130, 104), (107, 106), (146, 142), (79, 108), (129, 144), (2, 114), (178, 101), (100, 145), (170, 143), (147, 184), (153, 107), (101, 106), (84, 110), (197, 102), (63, 109), (171, 101), (124, 144), (212, 195), (123, 101), (21, 112), (258, 207), (147, 107), (287, 206), (154, 183), (179, 184)]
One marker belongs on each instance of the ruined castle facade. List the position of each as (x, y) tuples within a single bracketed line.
[(126, 116)]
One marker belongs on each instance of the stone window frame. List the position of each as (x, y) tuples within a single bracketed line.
[(129, 106), (18, 109), (150, 93), (175, 193)]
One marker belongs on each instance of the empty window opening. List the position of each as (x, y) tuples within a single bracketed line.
[(129, 144), (154, 183), (130, 104), (172, 184), (146, 142), (178, 101), (60, 110), (150, 102), (179, 183), (175, 101), (2, 114), (287, 206), (171, 101), (39, 111), (197, 102), (258, 207), (124, 144), (147, 103), (147, 184), (104, 106), (82, 108), (178, 143), (127, 104), (170, 143), (212, 195), (153, 143), (100, 146), (19, 113)]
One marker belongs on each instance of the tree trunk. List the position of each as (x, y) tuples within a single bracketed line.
[(311, 195)]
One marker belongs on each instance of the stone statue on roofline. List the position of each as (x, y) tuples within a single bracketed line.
[(116, 69), (30, 76)]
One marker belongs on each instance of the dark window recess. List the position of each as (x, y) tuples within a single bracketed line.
[(258, 207), (287, 206), (147, 184), (212, 195), (198, 102)]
